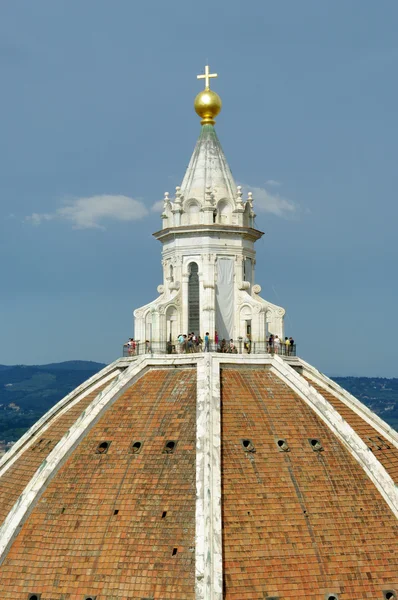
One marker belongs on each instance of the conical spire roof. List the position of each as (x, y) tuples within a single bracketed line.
[(208, 168)]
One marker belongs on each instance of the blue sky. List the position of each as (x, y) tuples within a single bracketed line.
[(97, 100)]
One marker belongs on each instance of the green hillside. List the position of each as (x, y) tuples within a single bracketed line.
[(27, 392)]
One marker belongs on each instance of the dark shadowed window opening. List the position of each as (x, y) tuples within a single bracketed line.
[(193, 299)]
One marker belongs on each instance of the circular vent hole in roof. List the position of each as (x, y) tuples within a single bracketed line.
[(317, 447), (248, 446), (34, 596), (136, 447), (390, 595), (283, 445), (103, 448), (170, 446)]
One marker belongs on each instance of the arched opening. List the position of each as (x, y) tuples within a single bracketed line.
[(246, 322), (193, 299), (224, 212), (193, 210)]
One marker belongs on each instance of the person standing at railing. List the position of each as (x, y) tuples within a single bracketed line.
[(180, 340), (271, 344), (277, 344), (287, 346), (131, 346), (190, 343), (216, 340), (232, 348), (207, 342), (291, 349)]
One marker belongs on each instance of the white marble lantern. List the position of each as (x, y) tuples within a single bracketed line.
[(208, 253)]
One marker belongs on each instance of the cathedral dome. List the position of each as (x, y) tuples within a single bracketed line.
[(177, 474)]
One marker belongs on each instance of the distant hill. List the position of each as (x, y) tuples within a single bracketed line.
[(379, 394), (68, 365), (27, 392)]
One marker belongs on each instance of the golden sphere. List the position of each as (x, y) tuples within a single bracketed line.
[(207, 105)]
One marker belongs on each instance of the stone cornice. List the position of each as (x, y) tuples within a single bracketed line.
[(212, 230)]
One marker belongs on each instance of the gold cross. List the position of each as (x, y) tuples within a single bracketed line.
[(207, 76)]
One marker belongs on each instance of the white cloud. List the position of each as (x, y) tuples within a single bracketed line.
[(273, 183), (275, 204), (157, 207), (91, 212)]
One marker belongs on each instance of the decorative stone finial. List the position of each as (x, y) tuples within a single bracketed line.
[(178, 195), (239, 195), (250, 199)]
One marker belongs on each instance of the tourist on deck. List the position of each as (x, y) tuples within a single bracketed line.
[(148, 348), (270, 348), (199, 344), (287, 346), (207, 342), (216, 339), (292, 349), (277, 344), (131, 346), (232, 348), (180, 340), (247, 343), (190, 343)]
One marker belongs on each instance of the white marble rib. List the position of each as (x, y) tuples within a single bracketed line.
[(30, 437), (208, 546), (356, 405), (342, 430)]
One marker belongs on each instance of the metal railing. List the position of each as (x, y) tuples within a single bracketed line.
[(240, 347)]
